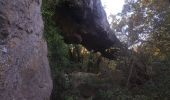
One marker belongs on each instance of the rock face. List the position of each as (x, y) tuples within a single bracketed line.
[(24, 68), (85, 22)]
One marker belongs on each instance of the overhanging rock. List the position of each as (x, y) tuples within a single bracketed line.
[(85, 22)]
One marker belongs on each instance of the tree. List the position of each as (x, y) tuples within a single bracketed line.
[(144, 22)]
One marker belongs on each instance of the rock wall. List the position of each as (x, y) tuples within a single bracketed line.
[(24, 68)]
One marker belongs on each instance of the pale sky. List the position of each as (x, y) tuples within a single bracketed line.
[(113, 6)]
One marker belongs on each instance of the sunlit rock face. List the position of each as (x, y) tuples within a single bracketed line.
[(24, 68), (85, 22)]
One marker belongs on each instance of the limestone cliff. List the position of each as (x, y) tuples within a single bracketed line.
[(24, 68)]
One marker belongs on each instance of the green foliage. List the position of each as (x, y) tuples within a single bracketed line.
[(57, 49), (144, 25), (135, 20), (120, 94)]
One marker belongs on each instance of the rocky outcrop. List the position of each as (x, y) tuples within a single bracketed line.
[(24, 68), (86, 86), (85, 22)]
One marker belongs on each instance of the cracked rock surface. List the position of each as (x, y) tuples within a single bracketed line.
[(24, 68)]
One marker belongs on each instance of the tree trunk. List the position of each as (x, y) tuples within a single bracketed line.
[(24, 68)]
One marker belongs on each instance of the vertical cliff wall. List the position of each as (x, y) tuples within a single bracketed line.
[(24, 68)]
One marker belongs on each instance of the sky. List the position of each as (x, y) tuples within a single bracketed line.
[(113, 6)]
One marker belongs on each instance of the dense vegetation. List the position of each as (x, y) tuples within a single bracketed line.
[(143, 26)]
